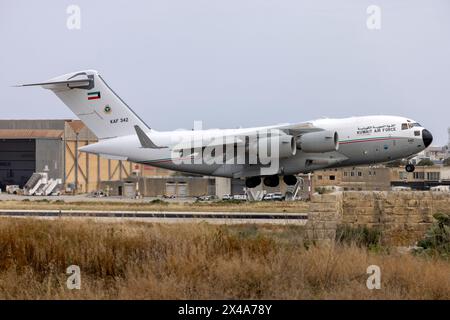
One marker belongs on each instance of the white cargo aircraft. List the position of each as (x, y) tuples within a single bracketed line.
[(261, 153)]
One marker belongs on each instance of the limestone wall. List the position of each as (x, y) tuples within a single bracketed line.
[(325, 213), (402, 216)]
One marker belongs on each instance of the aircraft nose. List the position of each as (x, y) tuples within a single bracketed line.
[(427, 137)]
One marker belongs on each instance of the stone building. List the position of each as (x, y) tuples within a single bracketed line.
[(354, 178), (382, 178)]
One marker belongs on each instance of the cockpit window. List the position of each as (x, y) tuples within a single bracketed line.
[(410, 125)]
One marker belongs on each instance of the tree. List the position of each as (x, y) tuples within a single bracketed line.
[(396, 163), (446, 162), (425, 162)]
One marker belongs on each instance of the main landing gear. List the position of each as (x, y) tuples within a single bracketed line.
[(252, 182), (270, 181), (290, 180), (410, 167)]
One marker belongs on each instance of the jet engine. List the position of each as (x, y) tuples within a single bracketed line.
[(266, 147), (321, 141)]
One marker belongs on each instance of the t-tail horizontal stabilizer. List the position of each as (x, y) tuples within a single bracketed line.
[(145, 140), (71, 84), (95, 103)]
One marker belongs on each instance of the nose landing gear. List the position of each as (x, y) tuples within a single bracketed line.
[(410, 167)]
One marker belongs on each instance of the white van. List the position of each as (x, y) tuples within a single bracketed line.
[(399, 188), (440, 188)]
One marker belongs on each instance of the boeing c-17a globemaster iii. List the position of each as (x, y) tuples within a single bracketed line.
[(259, 154)]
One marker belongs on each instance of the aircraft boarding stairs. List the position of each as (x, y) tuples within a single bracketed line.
[(51, 186), (40, 185), (32, 184), (292, 191)]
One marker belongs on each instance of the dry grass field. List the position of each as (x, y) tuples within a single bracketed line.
[(231, 206), (133, 260)]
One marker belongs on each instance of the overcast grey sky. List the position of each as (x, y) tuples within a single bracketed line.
[(235, 63)]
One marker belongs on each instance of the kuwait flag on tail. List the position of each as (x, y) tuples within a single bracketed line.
[(93, 95)]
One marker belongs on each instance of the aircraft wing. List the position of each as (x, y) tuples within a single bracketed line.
[(210, 142), (297, 129), (240, 136)]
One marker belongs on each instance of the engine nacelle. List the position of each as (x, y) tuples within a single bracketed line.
[(284, 145), (321, 141)]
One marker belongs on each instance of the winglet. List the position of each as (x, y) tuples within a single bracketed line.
[(145, 140)]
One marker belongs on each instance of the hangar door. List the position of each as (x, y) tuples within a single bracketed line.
[(182, 190), (171, 189), (17, 161)]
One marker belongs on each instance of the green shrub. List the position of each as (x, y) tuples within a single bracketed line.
[(231, 201), (437, 238), (158, 201), (42, 200), (323, 190), (446, 162), (425, 162), (360, 235)]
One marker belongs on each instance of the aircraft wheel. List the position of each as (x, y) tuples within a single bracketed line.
[(271, 181), (290, 180), (252, 182), (410, 167)]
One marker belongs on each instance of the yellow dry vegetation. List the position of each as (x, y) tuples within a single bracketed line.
[(284, 206), (134, 260)]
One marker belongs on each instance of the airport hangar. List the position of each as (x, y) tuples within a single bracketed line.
[(28, 146)]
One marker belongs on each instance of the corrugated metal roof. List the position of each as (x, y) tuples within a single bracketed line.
[(30, 134)]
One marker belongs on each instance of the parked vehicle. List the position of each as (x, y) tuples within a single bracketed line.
[(443, 188), (227, 197), (206, 198), (278, 196), (98, 194), (242, 197), (12, 189), (400, 188), (268, 196)]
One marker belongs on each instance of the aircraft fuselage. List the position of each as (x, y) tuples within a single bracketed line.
[(362, 141)]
